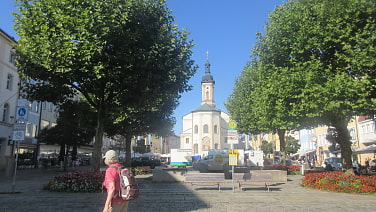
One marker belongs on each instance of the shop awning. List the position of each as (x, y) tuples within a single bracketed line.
[(368, 149)]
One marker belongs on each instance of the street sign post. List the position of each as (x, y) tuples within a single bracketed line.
[(232, 138), (18, 136)]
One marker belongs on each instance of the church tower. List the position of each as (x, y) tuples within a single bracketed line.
[(205, 128), (207, 85)]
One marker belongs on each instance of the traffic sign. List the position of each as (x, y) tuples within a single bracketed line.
[(18, 135), (232, 159), (232, 133), (22, 102), (22, 113), (232, 125), (232, 140), (19, 126), (19, 132)]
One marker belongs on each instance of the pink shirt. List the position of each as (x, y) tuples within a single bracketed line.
[(112, 175)]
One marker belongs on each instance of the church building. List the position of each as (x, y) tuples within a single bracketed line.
[(206, 127)]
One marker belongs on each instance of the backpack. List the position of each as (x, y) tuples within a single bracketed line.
[(129, 189)]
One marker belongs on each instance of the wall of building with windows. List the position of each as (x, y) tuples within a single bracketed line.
[(9, 80)]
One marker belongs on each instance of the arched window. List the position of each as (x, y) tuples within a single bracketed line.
[(196, 129), (215, 129), (5, 117), (206, 128)]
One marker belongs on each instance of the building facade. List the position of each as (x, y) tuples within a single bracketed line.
[(9, 91), (205, 127)]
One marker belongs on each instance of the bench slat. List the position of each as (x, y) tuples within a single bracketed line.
[(253, 177), (204, 177), (249, 178), (215, 178)]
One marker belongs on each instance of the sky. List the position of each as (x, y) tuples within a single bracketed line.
[(226, 29)]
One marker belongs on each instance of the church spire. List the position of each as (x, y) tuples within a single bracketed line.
[(207, 85), (207, 76), (207, 64)]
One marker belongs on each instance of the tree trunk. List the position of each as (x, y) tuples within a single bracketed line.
[(282, 144), (65, 163), (128, 151), (343, 139), (74, 152), (62, 152), (97, 152)]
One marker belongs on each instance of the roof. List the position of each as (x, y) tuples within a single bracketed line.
[(207, 76), (207, 107), (7, 36)]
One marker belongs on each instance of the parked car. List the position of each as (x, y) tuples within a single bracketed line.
[(145, 161), (335, 162), (292, 162)]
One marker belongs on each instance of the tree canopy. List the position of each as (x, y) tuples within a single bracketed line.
[(122, 56), (315, 64), (292, 145), (75, 127), (267, 148)]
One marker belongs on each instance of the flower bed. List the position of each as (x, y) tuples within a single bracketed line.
[(79, 181), (340, 182), (82, 181)]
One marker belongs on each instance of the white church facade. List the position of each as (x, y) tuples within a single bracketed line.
[(205, 127)]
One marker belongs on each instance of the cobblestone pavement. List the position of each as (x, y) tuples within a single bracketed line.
[(175, 197)]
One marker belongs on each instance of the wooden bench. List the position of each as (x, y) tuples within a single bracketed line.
[(250, 178), (209, 178)]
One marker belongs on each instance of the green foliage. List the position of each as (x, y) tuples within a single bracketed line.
[(315, 64), (126, 58), (75, 127), (267, 147), (140, 171), (292, 145)]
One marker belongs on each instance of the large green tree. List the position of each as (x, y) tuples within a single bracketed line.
[(75, 127), (317, 59), (267, 148), (120, 55), (292, 145), (263, 98), (140, 122)]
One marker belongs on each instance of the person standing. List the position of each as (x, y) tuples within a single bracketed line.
[(367, 162), (114, 203)]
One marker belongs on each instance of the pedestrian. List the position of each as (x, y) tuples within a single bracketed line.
[(367, 162), (114, 203), (328, 167)]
